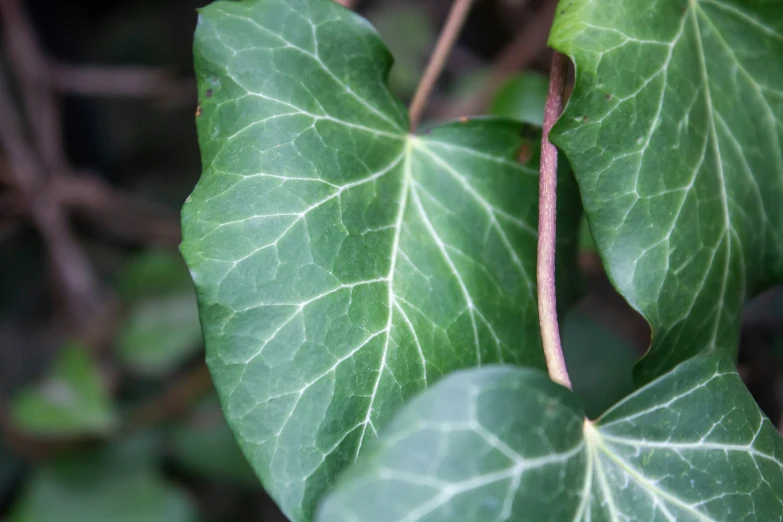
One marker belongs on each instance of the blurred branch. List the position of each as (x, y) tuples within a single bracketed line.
[(122, 82), (517, 56), (108, 210), (116, 212), (173, 401), (456, 19), (350, 4), (73, 271), (32, 70), (41, 173)]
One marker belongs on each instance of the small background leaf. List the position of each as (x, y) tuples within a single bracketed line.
[(406, 29), (522, 97), (118, 484), (71, 400), (161, 328)]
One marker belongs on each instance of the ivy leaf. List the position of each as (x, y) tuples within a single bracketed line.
[(674, 131), (341, 264), (506, 443)]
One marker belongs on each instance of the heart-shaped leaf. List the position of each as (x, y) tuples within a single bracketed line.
[(498, 444), (341, 264), (674, 130)]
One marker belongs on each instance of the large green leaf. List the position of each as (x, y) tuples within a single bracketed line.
[(498, 444), (674, 132), (342, 265)]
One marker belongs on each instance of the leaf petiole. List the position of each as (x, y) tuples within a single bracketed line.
[(547, 227)]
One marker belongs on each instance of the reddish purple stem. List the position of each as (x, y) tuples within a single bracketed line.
[(547, 228)]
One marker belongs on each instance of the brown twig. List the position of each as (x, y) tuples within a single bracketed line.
[(456, 19), (124, 81), (118, 213), (111, 211), (174, 401), (73, 271), (547, 228), (518, 55), (32, 70)]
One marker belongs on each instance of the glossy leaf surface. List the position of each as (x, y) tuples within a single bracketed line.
[(675, 132), (507, 444), (341, 264)]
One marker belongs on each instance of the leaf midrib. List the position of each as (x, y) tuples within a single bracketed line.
[(404, 194), (409, 193)]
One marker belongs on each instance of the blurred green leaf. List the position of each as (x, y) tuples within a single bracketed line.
[(204, 445), (522, 97), (407, 31), (153, 273), (108, 486), (599, 363), (70, 400), (161, 328), (586, 241), (159, 334)]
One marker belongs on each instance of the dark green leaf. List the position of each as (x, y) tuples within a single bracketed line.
[(341, 264), (674, 131), (497, 444), (71, 400)]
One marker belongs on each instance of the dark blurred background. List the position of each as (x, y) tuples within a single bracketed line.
[(106, 408)]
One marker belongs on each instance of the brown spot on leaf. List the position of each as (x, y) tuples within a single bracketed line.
[(198, 110), (209, 93)]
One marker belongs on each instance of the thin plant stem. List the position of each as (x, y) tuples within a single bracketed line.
[(547, 228), (457, 15)]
